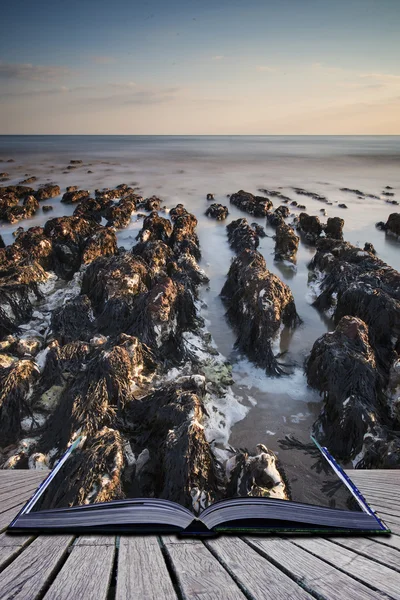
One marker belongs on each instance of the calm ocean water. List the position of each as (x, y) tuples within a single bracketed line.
[(184, 169)]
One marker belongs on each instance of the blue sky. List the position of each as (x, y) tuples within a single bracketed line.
[(282, 66)]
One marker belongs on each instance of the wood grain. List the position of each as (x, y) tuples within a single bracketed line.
[(314, 574), (374, 574), (142, 572), (200, 575), (258, 577), (86, 574), (30, 573)]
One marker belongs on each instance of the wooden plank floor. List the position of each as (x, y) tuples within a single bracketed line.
[(227, 568)]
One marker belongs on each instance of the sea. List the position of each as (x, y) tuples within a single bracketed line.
[(184, 169)]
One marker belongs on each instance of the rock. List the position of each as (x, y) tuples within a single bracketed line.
[(334, 228), (368, 247), (313, 195), (119, 215), (32, 205), (3, 175), (342, 206), (359, 193), (155, 228), (47, 208), (275, 194), (101, 243), (74, 196), (302, 206), (392, 225), (217, 211), (75, 162), (177, 211), (387, 194), (283, 211), (241, 236), (323, 212), (47, 191), (152, 203), (210, 196), (259, 474), (2, 244), (259, 229), (342, 366), (72, 188), (20, 191), (254, 205), (11, 160), (74, 321), (310, 227), (257, 302), (28, 180), (286, 243), (274, 219)]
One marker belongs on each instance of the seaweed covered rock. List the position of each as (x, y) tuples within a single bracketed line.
[(342, 366), (73, 321), (20, 191), (310, 227), (259, 475), (286, 243), (89, 208), (47, 191), (257, 302), (119, 215), (184, 239), (217, 211), (254, 205), (155, 228), (355, 282), (334, 228), (176, 461), (241, 236), (152, 203), (274, 219), (101, 243), (74, 196), (15, 384)]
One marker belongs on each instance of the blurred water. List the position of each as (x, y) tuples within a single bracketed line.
[(184, 169)]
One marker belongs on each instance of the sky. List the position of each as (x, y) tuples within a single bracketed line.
[(262, 67)]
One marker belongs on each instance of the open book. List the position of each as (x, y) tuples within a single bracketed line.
[(233, 515)]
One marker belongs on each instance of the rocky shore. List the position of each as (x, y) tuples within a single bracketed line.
[(109, 343)]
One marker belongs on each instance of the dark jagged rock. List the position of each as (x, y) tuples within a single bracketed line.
[(20, 191), (313, 195), (75, 162), (184, 239), (310, 226), (152, 203), (387, 194), (275, 194), (75, 196), (210, 196), (342, 206), (47, 191), (72, 188), (217, 211), (359, 193), (283, 211), (360, 284), (260, 475), (259, 229), (241, 236), (257, 302), (31, 205), (102, 243), (119, 215), (176, 212), (7, 201), (74, 321), (274, 219), (368, 247), (15, 384), (254, 205), (302, 207), (28, 180), (176, 460), (392, 225), (343, 368), (2, 244), (155, 228), (294, 203), (334, 228), (286, 243)]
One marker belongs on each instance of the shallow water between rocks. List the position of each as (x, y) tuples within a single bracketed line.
[(184, 169)]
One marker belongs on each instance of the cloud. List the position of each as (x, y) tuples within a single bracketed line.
[(102, 60), (265, 69), (384, 77), (218, 57), (27, 71)]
